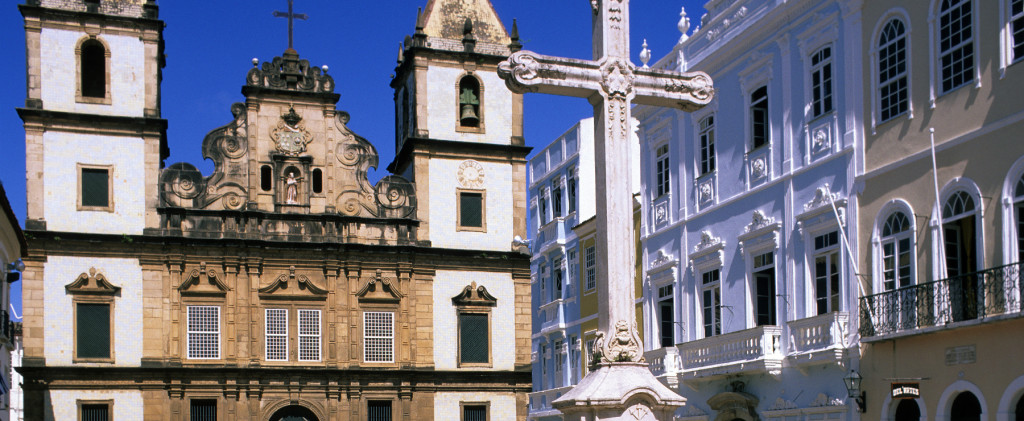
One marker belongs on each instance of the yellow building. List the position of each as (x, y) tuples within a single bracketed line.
[(940, 238)]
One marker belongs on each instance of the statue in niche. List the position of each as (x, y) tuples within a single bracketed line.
[(291, 189)]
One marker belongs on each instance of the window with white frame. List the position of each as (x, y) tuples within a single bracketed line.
[(203, 332), (378, 337), (590, 257), (542, 270), (556, 199), (574, 357), (759, 126), (666, 316), (573, 272), (276, 327), (559, 360), (556, 276), (956, 44), (826, 272), (588, 350), (958, 229), (543, 366), (543, 206), (893, 96), (571, 189), (1016, 30), (711, 302), (1018, 201), (821, 82), (764, 289), (309, 335), (897, 257), (662, 171), (707, 145)]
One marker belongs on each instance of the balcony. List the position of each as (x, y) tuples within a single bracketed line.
[(749, 351), (540, 402), (551, 234), (991, 293), (665, 364), (818, 340), (554, 316)]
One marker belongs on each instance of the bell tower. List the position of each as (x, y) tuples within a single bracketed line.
[(458, 129), (93, 133)]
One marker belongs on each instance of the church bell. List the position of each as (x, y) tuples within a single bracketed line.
[(468, 116)]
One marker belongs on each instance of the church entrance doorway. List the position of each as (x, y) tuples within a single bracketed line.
[(294, 413)]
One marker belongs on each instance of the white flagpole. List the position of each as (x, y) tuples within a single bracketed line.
[(938, 211)]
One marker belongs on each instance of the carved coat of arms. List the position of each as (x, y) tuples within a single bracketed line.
[(290, 135)]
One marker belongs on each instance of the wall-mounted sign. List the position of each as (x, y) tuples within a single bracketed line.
[(906, 390)]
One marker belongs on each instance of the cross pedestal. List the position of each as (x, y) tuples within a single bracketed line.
[(620, 385)]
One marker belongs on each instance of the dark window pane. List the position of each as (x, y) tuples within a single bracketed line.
[(203, 410), (95, 412), (667, 323), (318, 181), (471, 209), (95, 187), (266, 178), (93, 330), (94, 69), (765, 280), (473, 338)]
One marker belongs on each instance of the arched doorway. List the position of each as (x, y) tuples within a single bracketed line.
[(965, 408), (294, 413), (907, 410)]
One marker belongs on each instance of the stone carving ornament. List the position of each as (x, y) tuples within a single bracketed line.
[(290, 136), (291, 73), (623, 346), (182, 185)]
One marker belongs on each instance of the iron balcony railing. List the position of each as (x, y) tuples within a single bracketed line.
[(971, 296)]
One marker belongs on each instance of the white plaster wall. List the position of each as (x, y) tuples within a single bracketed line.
[(59, 313), (60, 77), (64, 403), (62, 152), (502, 405), (443, 94), (448, 284), (443, 207)]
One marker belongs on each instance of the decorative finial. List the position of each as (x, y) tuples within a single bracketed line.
[(645, 55), (515, 45), (325, 68), (684, 25), (420, 24), (255, 62), (401, 53), (468, 40)]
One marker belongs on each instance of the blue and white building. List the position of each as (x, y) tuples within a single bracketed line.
[(748, 212)]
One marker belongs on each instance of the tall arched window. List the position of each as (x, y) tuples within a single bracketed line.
[(93, 69), (897, 256), (958, 229), (956, 44), (893, 93), (965, 408), (470, 114)]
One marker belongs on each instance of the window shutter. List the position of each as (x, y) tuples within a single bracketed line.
[(93, 330), (474, 338)]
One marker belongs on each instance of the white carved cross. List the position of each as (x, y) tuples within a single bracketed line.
[(612, 84)]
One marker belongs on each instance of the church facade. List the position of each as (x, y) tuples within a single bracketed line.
[(284, 284)]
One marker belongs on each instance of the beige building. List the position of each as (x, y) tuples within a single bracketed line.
[(940, 239), (284, 285), (12, 248)]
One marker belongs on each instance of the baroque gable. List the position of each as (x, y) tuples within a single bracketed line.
[(474, 295), (203, 281), (292, 286), (92, 283), (380, 289)]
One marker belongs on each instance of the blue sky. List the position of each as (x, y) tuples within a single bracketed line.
[(210, 45)]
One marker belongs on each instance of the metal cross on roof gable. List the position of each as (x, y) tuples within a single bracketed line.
[(291, 18)]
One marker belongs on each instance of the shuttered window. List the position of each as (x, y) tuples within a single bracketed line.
[(277, 334), (203, 332), (474, 338), (93, 330), (309, 335), (379, 337)]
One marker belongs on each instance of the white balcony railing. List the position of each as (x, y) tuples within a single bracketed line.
[(540, 402), (818, 339), (751, 350), (665, 364)]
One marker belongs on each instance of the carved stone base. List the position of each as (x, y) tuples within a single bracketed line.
[(619, 391)]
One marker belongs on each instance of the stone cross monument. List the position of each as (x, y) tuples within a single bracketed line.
[(621, 387)]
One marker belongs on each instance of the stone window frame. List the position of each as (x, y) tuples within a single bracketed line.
[(708, 256), (93, 299), (662, 169), (379, 399), (293, 332), (463, 405), (458, 210), (267, 335), (109, 403), (109, 168), (319, 335), (79, 98), (393, 311), (475, 300), (459, 128), (826, 66), (204, 397), (934, 22), (900, 15)]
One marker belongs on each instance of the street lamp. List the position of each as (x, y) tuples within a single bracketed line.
[(853, 382), (14, 270)]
